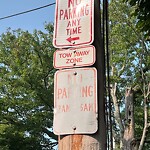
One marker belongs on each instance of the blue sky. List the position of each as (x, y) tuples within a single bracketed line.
[(29, 21)]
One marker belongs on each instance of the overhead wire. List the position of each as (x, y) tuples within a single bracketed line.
[(108, 99), (17, 14), (108, 71)]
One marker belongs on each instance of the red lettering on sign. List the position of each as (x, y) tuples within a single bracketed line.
[(72, 31), (86, 91), (73, 2), (73, 60), (73, 13), (74, 22), (81, 53), (63, 108), (66, 15), (64, 55), (73, 79), (61, 14), (63, 93), (87, 107)]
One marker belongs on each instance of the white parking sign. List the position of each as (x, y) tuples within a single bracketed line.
[(74, 23), (75, 101)]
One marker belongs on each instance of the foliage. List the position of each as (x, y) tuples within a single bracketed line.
[(129, 60), (26, 89), (142, 11)]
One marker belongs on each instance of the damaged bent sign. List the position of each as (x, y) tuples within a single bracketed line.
[(73, 23), (75, 101)]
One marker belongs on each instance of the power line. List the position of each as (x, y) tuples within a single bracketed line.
[(17, 14)]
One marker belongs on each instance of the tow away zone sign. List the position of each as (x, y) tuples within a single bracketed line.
[(74, 57), (74, 23)]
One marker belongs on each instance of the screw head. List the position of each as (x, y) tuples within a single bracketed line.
[(74, 128), (75, 73)]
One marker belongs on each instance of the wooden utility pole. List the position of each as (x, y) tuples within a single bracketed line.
[(96, 141)]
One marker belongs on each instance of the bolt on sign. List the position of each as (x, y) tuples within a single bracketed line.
[(75, 101), (74, 23), (74, 57)]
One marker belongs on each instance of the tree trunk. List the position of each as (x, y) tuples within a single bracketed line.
[(146, 124), (129, 143), (117, 112)]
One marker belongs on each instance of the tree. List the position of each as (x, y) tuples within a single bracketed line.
[(142, 11), (129, 61), (26, 90)]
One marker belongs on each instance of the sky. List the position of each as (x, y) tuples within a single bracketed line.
[(28, 21)]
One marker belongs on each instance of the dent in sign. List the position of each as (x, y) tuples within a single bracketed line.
[(74, 57)]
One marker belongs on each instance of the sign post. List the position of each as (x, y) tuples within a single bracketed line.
[(76, 23)]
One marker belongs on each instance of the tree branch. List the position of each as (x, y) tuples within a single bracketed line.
[(117, 110), (49, 133)]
